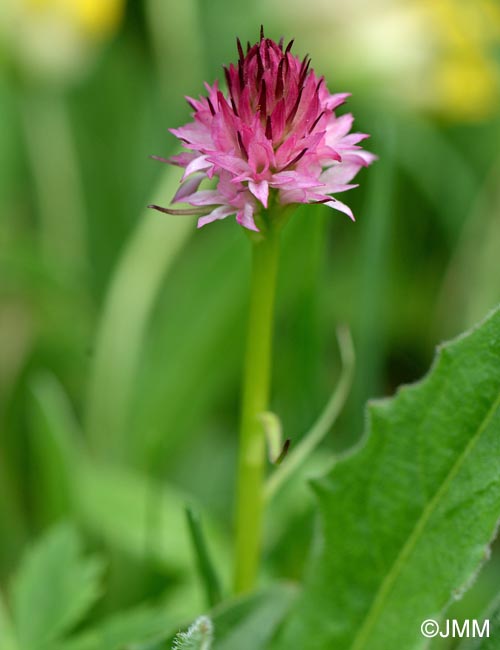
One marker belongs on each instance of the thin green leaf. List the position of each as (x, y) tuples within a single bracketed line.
[(373, 289), (323, 424), (61, 205), (56, 447), (191, 345), (55, 587), (450, 204), (205, 565), (467, 290), (409, 518), (148, 256)]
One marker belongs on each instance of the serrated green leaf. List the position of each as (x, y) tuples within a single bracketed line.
[(54, 588), (408, 519)]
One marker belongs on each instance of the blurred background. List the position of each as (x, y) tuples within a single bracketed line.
[(121, 331)]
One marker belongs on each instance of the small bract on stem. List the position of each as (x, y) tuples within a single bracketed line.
[(270, 142)]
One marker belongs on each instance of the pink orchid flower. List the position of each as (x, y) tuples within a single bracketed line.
[(273, 136)]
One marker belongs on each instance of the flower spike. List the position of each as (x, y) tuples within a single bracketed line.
[(273, 136)]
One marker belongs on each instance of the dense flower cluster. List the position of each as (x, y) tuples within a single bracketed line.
[(275, 131)]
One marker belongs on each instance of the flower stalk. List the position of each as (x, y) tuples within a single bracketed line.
[(271, 141), (256, 384)]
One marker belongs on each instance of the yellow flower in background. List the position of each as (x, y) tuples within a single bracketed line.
[(465, 76), (432, 55), (98, 17), (56, 39), (93, 17)]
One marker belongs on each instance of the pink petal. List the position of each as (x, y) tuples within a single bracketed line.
[(221, 212), (229, 162), (278, 119), (183, 159), (199, 163), (351, 139), (245, 217), (203, 197), (338, 127), (260, 191), (275, 127), (294, 179), (340, 173), (341, 207), (188, 187), (361, 158), (334, 101), (292, 196), (259, 157), (196, 135)]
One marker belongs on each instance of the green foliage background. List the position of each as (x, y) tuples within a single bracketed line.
[(121, 331)]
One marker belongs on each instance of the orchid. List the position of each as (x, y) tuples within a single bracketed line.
[(273, 137), (271, 142)]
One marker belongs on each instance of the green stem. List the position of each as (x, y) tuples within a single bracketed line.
[(256, 380)]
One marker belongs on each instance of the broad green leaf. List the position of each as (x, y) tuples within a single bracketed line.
[(130, 511), (138, 515), (146, 519), (7, 635), (127, 629), (408, 518), (54, 588), (133, 513), (250, 623)]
